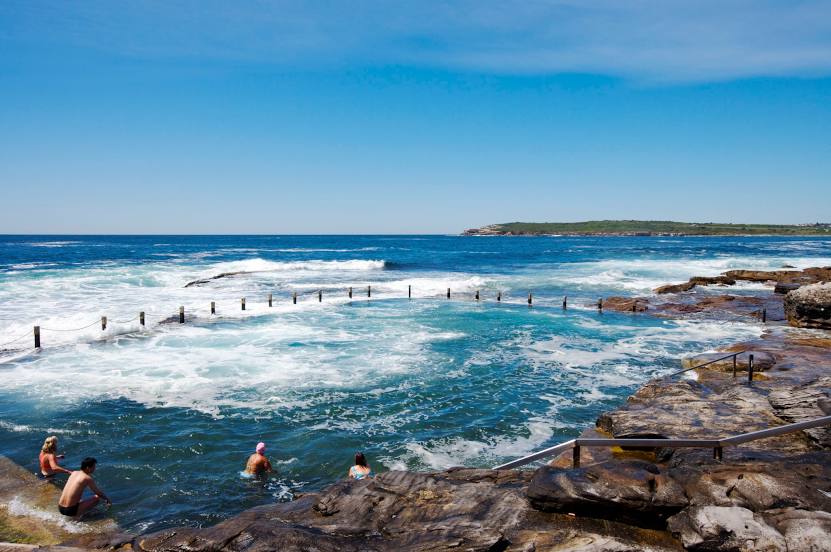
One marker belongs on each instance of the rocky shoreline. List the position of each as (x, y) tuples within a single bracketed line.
[(772, 494)]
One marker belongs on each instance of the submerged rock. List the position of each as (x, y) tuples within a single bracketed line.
[(809, 306)]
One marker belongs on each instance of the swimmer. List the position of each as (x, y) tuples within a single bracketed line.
[(258, 463), (361, 468), (70, 503), (48, 458)]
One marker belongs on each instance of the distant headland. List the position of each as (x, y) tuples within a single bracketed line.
[(647, 228)]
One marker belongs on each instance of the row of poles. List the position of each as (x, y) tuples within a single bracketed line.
[(477, 297)]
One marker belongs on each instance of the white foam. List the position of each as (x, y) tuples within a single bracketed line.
[(16, 507)]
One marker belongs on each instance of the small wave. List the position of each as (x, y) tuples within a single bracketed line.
[(16, 507), (263, 265)]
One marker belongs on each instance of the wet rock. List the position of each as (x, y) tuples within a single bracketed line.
[(761, 361), (626, 304), (217, 277), (809, 306), (29, 512), (695, 281), (805, 402), (725, 528), (784, 287), (635, 491)]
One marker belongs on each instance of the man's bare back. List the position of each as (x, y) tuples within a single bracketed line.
[(70, 503), (257, 464)]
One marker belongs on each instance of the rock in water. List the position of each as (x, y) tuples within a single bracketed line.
[(809, 306)]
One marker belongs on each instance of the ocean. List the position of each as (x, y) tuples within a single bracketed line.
[(171, 411)]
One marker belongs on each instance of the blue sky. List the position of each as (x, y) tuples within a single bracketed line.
[(410, 117)]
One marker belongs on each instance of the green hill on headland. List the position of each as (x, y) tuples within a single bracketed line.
[(647, 228)]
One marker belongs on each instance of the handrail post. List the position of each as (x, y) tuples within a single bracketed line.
[(734, 364), (269, 299), (242, 303), (530, 298), (575, 456), (213, 307), (37, 337), (409, 292), (565, 302), (294, 296), (750, 369), (181, 315), (320, 296), (369, 291), (718, 452), (141, 319), (103, 323), (477, 294), (350, 292), (499, 296)]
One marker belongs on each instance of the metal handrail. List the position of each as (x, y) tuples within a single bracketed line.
[(733, 355), (716, 444)]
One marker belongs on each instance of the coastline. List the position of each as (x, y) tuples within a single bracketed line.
[(616, 500)]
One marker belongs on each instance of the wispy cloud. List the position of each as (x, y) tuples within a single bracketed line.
[(667, 40)]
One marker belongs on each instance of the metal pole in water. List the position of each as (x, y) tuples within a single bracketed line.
[(37, 337), (213, 307), (242, 303), (764, 316), (181, 315), (477, 294), (141, 318), (565, 302), (448, 293), (103, 323), (499, 296), (294, 297), (350, 293), (410, 292), (320, 296), (269, 299), (530, 299), (369, 291), (750, 369), (600, 304), (734, 364)]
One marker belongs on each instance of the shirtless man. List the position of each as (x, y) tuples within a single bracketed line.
[(257, 462), (70, 503)]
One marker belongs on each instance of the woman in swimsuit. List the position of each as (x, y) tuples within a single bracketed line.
[(361, 469), (48, 458)]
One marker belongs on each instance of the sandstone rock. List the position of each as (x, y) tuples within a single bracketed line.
[(803, 530), (626, 304), (633, 490), (805, 402), (809, 306), (784, 287), (725, 528), (761, 361), (695, 281)]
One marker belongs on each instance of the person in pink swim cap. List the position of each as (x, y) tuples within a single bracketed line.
[(258, 463)]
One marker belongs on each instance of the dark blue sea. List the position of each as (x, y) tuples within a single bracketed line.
[(172, 410)]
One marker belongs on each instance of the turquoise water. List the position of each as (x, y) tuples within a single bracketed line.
[(172, 411)]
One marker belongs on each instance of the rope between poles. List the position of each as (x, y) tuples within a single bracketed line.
[(72, 329), (16, 339)]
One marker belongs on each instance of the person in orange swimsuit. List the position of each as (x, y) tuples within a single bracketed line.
[(48, 458)]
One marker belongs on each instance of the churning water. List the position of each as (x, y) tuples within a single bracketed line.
[(171, 411)]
